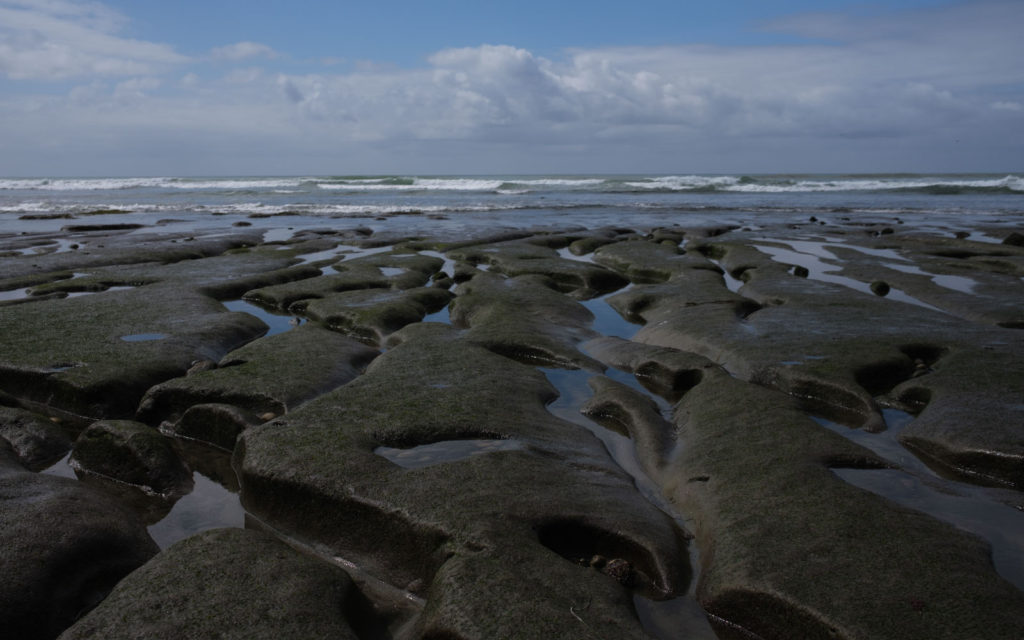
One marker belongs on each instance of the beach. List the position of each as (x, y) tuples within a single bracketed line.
[(513, 406)]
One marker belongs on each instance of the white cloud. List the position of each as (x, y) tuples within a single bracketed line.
[(1004, 105), (247, 75), (884, 85), (243, 51), (55, 39)]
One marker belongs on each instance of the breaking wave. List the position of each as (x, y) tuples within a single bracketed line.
[(512, 185)]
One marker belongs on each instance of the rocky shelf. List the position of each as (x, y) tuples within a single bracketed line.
[(809, 431)]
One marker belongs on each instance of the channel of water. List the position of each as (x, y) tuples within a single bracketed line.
[(821, 271), (992, 514), (277, 322)]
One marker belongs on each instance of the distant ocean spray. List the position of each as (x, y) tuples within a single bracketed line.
[(516, 200)]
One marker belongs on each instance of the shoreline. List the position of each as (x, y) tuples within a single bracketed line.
[(751, 333)]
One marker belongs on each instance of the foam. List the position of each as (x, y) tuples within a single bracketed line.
[(740, 184), (117, 184), (417, 184)]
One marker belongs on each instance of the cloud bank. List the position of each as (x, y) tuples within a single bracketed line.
[(928, 90)]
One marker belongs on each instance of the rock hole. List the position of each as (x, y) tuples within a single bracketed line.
[(714, 252), (739, 272), (927, 353), (668, 383), (621, 559), (746, 308), (1012, 324), (915, 399), (879, 378), (366, 620)]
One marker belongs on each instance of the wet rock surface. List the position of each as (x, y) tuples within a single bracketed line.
[(227, 583), (37, 441), (64, 547), (533, 433), (132, 453)]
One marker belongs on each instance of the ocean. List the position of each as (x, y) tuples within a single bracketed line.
[(458, 203)]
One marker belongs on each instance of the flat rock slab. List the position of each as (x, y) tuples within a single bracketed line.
[(95, 356), (227, 583), (491, 540), (271, 375), (840, 350), (517, 258), (371, 315), (524, 319), (793, 551), (446, 470)]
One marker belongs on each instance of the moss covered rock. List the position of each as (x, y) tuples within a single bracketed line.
[(64, 547), (227, 583), (133, 453), (39, 442), (493, 541)]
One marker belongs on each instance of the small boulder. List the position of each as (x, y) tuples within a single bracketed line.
[(1015, 239), (64, 547), (216, 423), (133, 453), (38, 442)]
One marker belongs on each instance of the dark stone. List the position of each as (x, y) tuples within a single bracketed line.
[(215, 423), (880, 288), (64, 547), (271, 375), (524, 319), (1014, 239), (492, 541), (370, 315), (798, 553), (38, 441), (72, 356), (132, 453), (227, 583)]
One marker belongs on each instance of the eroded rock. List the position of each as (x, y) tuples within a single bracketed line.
[(481, 537), (38, 441), (133, 453), (64, 547), (227, 583)]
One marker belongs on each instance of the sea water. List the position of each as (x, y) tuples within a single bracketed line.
[(459, 203)]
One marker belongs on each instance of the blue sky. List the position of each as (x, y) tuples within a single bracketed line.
[(291, 87)]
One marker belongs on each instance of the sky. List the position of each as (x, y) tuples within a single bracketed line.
[(317, 87)]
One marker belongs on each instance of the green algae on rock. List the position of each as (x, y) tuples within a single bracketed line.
[(64, 547), (133, 453), (520, 518), (227, 583), (69, 354), (434, 386), (37, 441), (371, 315), (269, 375), (794, 551)]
